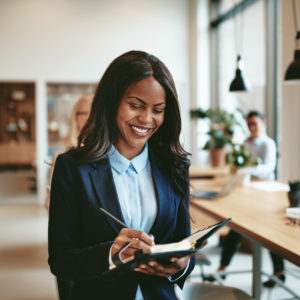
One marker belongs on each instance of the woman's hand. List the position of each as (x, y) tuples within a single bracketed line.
[(138, 239), (177, 265)]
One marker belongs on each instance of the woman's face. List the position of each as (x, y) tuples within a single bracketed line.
[(82, 115), (140, 113)]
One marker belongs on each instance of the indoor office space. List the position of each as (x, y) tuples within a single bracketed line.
[(227, 71)]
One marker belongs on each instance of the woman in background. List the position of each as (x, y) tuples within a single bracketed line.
[(80, 113), (262, 146)]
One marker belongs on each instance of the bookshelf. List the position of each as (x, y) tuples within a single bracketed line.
[(17, 124)]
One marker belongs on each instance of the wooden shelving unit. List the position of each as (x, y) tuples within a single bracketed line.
[(17, 124)]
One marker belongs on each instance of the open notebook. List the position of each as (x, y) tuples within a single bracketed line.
[(163, 253)]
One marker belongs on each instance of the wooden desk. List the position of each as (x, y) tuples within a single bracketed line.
[(208, 171), (256, 214)]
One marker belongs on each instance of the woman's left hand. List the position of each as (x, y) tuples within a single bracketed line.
[(154, 268), (176, 265)]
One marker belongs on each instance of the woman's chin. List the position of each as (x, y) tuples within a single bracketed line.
[(140, 143)]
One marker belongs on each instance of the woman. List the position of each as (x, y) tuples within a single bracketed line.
[(260, 145), (79, 115), (129, 162)]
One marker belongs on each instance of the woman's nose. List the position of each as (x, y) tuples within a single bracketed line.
[(145, 116)]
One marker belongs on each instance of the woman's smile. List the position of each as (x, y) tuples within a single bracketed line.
[(140, 131)]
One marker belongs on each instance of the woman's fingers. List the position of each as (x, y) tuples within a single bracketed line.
[(135, 243), (140, 235), (205, 243), (158, 270), (138, 240)]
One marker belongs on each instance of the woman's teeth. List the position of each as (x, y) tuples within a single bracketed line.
[(139, 129)]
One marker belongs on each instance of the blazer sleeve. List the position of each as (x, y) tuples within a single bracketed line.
[(182, 230), (67, 259)]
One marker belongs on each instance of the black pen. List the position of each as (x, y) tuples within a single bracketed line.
[(112, 217)]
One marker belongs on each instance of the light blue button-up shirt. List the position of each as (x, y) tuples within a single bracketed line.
[(265, 148), (136, 193)]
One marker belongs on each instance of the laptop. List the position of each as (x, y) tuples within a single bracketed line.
[(227, 189)]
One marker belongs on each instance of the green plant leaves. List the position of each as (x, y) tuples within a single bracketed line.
[(241, 157), (294, 186), (221, 126)]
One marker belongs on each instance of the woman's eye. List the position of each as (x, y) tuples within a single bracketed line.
[(157, 111), (135, 106)]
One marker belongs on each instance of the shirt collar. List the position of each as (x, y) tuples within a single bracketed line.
[(259, 139), (121, 163)]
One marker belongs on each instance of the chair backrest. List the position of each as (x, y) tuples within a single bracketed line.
[(203, 291)]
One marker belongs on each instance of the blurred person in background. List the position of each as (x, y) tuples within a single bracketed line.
[(80, 113), (260, 145)]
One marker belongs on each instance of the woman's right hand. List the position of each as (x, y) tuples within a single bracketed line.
[(138, 239)]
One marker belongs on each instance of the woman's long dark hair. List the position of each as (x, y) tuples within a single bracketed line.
[(101, 130)]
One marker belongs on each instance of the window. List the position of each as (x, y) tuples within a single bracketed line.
[(246, 31)]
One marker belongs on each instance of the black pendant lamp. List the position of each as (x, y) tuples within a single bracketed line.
[(238, 84), (292, 75)]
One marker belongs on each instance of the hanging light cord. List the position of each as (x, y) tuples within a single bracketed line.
[(239, 34), (295, 16), (296, 26)]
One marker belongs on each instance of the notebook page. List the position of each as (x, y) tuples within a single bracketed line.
[(197, 235)]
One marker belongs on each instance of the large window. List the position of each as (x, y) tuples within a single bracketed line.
[(245, 34)]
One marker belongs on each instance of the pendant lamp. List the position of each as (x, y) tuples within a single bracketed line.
[(292, 75), (239, 84)]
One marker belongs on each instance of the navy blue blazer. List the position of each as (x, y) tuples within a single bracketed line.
[(80, 236)]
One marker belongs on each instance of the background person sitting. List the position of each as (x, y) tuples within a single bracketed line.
[(259, 144)]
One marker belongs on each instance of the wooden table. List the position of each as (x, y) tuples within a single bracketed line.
[(208, 171), (258, 215)]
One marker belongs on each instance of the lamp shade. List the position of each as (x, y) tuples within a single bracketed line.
[(292, 74), (238, 84)]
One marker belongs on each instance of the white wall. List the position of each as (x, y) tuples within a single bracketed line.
[(289, 98), (75, 40)]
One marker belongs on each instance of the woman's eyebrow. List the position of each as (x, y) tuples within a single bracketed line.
[(159, 104), (138, 99), (145, 102)]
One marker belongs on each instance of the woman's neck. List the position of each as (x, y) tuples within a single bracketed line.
[(127, 150)]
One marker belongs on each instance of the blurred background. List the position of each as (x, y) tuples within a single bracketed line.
[(54, 52)]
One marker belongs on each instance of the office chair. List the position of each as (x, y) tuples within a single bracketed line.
[(205, 291)]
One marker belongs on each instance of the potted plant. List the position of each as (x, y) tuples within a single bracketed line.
[(240, 157), (294, 193), (221, 132)]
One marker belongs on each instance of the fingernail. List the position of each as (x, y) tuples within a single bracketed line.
[(172, 260), (151, 264), (136, 270), (143, 267)]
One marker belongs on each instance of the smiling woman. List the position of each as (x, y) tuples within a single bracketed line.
[(129, 162), (140, 114)]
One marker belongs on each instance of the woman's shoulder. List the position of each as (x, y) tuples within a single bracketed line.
[(66, 157)]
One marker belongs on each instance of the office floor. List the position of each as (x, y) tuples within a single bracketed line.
[(25, 275), (15, 187), (24, 272)]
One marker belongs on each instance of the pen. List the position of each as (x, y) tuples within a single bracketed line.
[(112, 217)]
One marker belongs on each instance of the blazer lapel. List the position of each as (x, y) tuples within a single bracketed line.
[(104, 185), (162, 188)]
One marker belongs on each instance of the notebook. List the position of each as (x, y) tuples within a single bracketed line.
[(235, 181), (163, 253)]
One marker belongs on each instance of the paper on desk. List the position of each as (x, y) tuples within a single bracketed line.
[(271, 186)]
